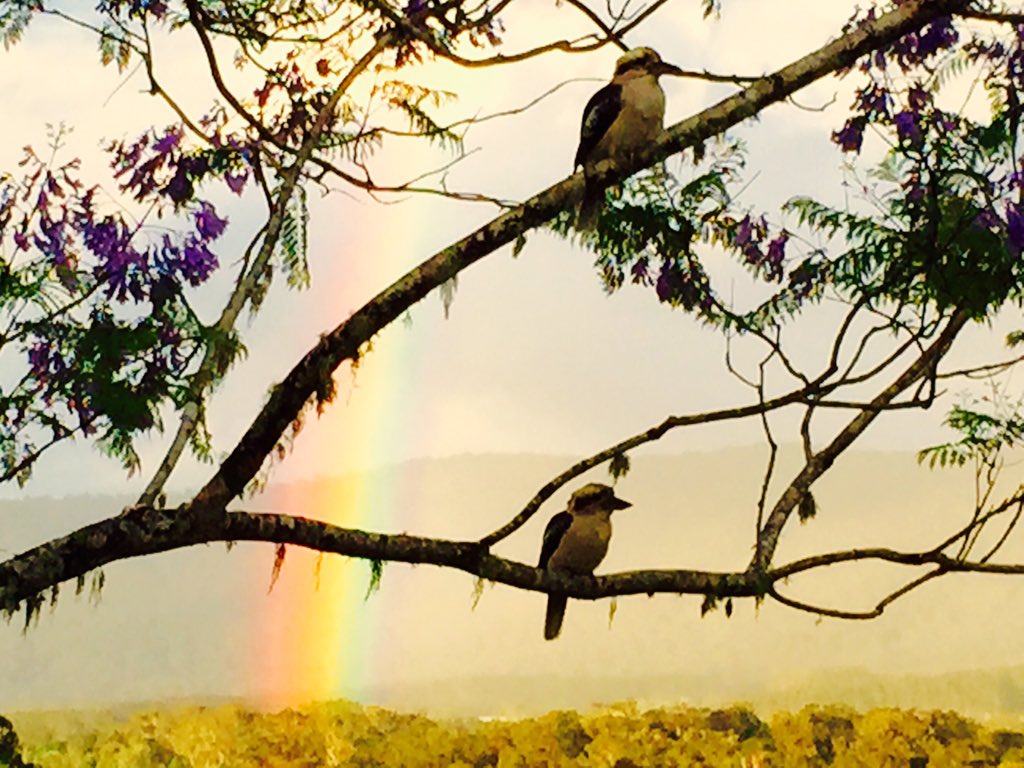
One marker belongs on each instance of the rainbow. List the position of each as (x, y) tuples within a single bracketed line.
[(321, 643), (316, 631)]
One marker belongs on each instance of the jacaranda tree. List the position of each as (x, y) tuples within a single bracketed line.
[(96, 309)]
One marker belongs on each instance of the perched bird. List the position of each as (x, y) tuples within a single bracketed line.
[(621, 118), (576, 541)]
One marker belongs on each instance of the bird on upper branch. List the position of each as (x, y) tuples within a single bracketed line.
[(576, 541), (621, 118)]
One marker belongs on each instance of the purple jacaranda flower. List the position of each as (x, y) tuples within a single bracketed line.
[(936, 36), (157, 7), (913, 188), (907, 126), (236, 181), (209, 225), (1014, 229), (873, 100), (21, 240), (119, 263), (670, 283), (851, 136), (197, 261), (639, 271), (179, 188), (743, 232), (51, 240), (917, 98), (167, 142), (752, 253), (776, 255), (39, 359)]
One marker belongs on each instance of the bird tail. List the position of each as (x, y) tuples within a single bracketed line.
[(590, 209), (553, 618)]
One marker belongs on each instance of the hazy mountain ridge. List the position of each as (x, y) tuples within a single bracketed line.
[(996, 692)]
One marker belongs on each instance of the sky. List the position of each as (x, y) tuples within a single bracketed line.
[(534, 357)]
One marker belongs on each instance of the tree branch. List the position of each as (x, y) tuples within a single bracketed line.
[(146, 531), (924, 365), (650, 435)]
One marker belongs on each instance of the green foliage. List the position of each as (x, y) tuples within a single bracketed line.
[(200, 441), (344, 734), (983, 436), (936, 241), (225, 349), (293, 243), (518, 245), (619, 465), (14, 19), (708, 604), (114, 48), (10, 747), (376, 572), (711, 7), (807, 508), (420, 120)]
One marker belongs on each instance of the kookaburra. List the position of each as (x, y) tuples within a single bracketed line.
[(576, 541), (621, 118)]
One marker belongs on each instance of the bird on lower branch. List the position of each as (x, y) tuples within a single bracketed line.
[(620, 119), (576, 541)]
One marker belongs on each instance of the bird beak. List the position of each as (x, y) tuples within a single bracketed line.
[(664, 68), (618, 503)]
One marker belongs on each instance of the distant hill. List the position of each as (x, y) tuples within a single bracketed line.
[(985, 693)]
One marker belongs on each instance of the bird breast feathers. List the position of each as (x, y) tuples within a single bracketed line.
[(584, 544), (638, 123), (643, 95)]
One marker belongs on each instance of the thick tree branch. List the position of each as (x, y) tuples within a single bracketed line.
[(146, 531), (312, 374)]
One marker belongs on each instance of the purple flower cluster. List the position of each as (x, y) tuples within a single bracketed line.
[(685, 284), (874, 103), (192, 258), (44, 361), (79, 352), (911, 122), (851, 136), (161, 167), (133, 8), (917, 48), (1015, 228), (749, 237)]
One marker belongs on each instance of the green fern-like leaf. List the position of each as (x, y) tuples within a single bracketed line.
[(293, 243), (376, 572), (619, 466)]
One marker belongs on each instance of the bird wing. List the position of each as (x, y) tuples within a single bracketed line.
[(556, 528), (599, 114)]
